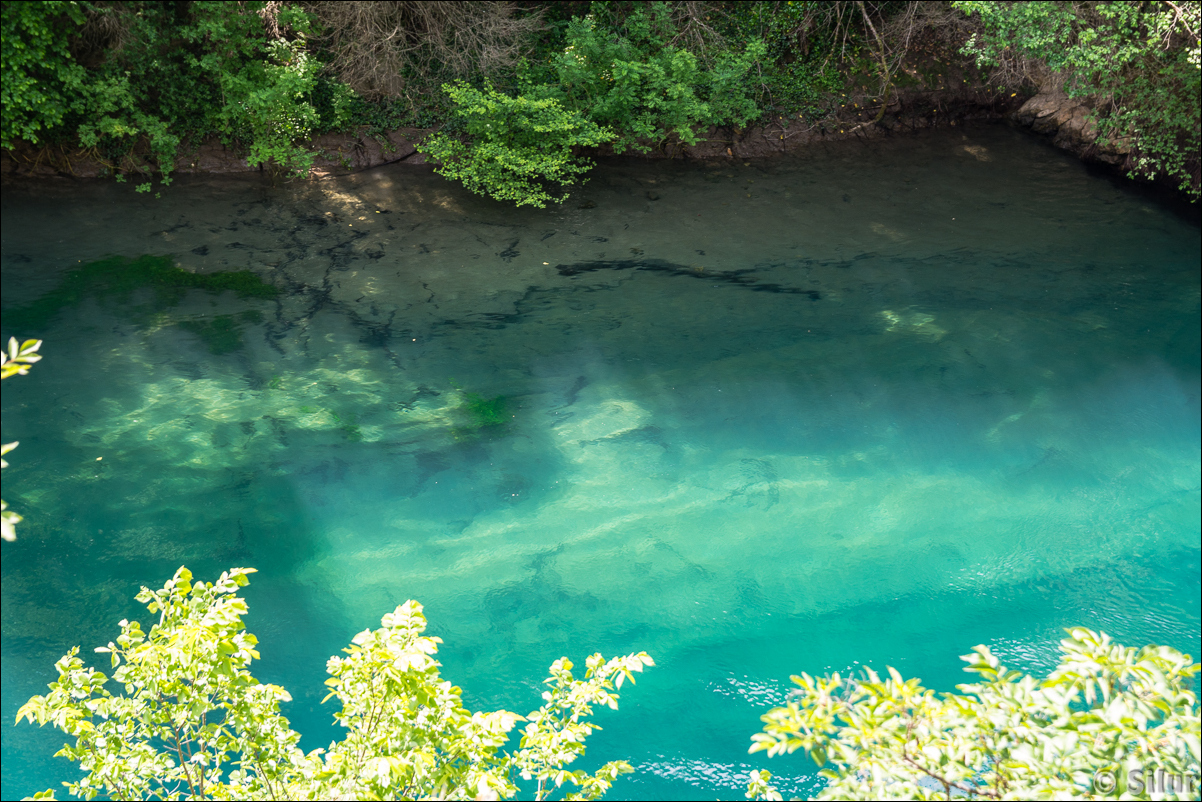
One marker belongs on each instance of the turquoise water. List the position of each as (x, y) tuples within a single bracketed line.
[(872, 406)]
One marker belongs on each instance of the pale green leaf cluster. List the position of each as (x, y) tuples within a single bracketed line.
[(18, 358), (759, 787), (514, 146), (16, 361), (555, 733), (188, 720), (181, 717), (1105, 708)]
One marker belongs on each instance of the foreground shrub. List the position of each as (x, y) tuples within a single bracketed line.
[(193, 723), (1102, 724)]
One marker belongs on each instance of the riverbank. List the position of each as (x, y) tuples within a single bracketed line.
[(936, 86), (502, 92), (1064, 120)]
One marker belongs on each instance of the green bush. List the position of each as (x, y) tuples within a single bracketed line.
[(40, 82), (514, 146), (623, 82), (268, 93), (799, 73)]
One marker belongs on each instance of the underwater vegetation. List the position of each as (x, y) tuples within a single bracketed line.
[(477, 414), (117, 278), (484, 411)]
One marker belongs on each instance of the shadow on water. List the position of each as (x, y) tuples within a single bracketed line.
[(741, 278)]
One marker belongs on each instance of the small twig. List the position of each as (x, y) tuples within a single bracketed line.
[(182, 763), (949, 784), (263, 777)]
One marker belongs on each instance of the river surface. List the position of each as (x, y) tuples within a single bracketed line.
[(870, 406)]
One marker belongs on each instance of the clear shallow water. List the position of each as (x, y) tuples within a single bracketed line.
[(865, 407)]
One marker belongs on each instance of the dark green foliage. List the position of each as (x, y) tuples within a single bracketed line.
[(118, 278), (133, 84), (799, 73), (1140, 60), (632, 77), (40, 78), (130, 82), (619, 80)]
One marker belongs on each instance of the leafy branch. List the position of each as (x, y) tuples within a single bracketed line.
[(14, 362), (193, 722), (1106, 707)]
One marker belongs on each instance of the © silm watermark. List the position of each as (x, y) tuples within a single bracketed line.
[(1140, 782)]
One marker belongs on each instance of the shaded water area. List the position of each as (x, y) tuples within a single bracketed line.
[(874, 405)]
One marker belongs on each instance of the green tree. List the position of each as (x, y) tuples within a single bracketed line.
[(1141, 62), (189, 721), (1102, 723), (16, 362), (266, 81)]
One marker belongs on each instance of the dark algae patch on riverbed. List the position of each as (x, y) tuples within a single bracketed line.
[(477, 416), (222, 334), (116, 279)]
